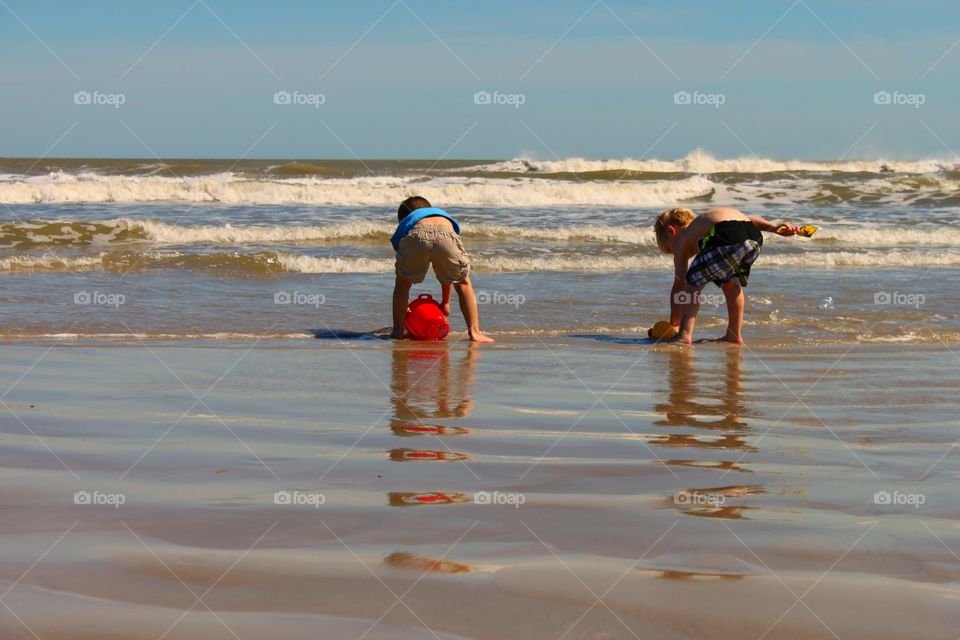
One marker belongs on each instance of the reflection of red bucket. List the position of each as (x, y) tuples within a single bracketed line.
[(426, 498), (422, 455), (431, 498), (427, 430), (425, 319)]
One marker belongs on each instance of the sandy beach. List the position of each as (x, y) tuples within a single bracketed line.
[(564, 488), (218, 219)]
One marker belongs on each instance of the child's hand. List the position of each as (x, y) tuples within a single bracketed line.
[(786, 229), (445, 307)]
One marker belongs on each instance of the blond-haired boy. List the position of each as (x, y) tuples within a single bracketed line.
[(725, 243)]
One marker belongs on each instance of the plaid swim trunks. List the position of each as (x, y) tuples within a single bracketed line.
[(727, 252)]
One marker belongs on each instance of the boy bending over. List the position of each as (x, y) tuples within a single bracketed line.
[(724, 243), (430, 236)]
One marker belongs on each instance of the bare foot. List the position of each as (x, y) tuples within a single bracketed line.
[(725, 338), (734, 338), (480, 337)]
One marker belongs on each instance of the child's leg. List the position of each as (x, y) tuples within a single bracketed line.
[(401, 300), (688, 313), (735, 303), (468, 307)]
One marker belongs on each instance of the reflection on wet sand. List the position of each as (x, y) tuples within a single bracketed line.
[(700, 565), (711, 502), (690, 575), (424, 564), (727, 465), (702, 442), (420, 455), (413, 430), (688, 402), (426, 388), (413, 499), (721, 411)]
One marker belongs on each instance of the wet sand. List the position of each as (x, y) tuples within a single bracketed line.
[(579, 487)]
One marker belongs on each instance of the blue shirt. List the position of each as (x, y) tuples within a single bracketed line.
[(416, 216)]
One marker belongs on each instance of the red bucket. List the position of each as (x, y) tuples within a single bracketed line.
[(425, 319)]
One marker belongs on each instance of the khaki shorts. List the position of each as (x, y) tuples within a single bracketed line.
[(436, 245)]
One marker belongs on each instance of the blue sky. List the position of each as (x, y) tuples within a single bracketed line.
[(197, 78)]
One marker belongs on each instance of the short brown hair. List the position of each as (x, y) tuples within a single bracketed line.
[(410, 205), (679, 217)]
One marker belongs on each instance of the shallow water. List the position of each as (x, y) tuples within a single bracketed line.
[(546, 486), (184, 249), (202, 433), (170, 271)]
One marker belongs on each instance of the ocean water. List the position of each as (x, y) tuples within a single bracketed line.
[(159, 323), (214, 249)]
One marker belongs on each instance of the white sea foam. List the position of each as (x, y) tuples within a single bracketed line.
[(49, 262), (783, 182), (360, 191), (176, 234), (164, 233), (640, 233), (298, 263), (636, 233), (312, 264), (612, 264), (701, 162)]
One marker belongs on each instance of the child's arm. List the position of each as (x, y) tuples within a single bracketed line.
[(765, 225), (445, 294), (401, 299), (679, 284)]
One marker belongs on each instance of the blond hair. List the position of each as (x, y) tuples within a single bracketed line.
[(679, 217)]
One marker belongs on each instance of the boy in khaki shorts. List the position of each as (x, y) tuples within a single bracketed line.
[(430, 236)]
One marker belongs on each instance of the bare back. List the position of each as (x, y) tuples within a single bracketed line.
[(688, 238), (435, 220)]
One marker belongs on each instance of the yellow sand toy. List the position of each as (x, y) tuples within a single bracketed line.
[(662, 330), (806, 230)]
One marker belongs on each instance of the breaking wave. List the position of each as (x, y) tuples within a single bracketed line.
[(271, 262), (54, 233)]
